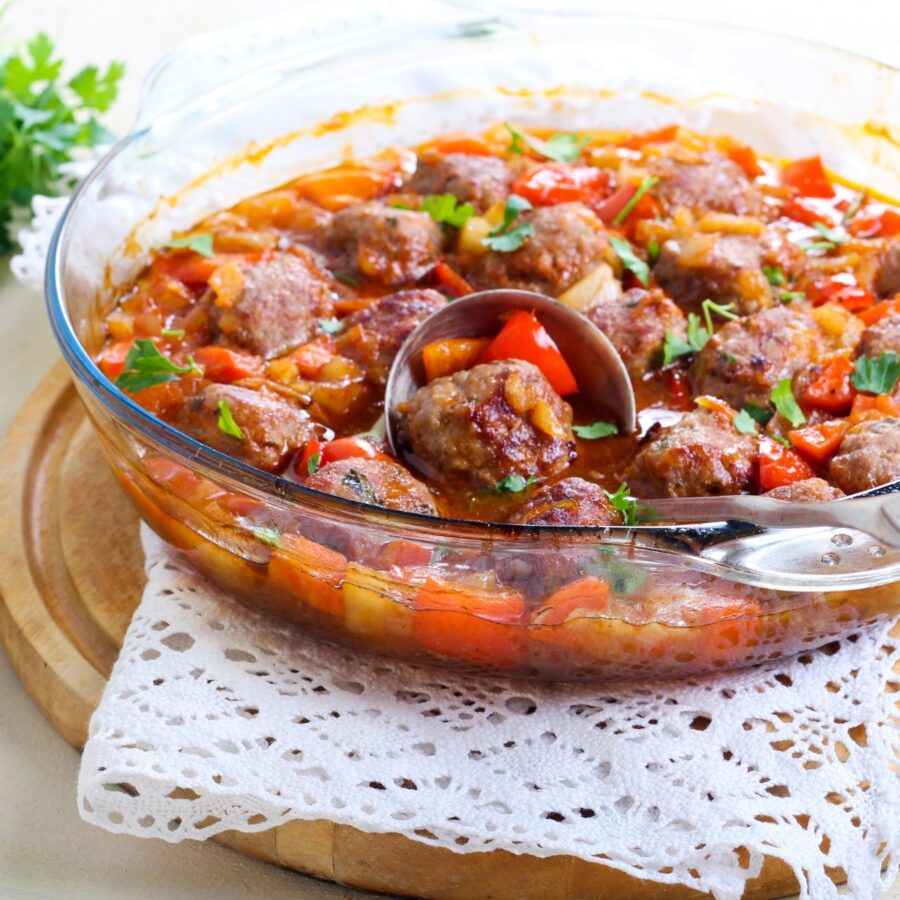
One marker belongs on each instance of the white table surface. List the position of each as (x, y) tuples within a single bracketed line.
[(46, 851)]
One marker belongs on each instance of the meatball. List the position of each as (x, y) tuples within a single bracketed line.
[(887, 282), (373, 335), (278, 305), (882, 337), (391, 246), (701, 455), (482, 424), (868, 456), (272, 430), (746, 358), (716, 184), (566, 244), (480, 180), (637, 323), (572, 501), (373, 481), (810, 490)]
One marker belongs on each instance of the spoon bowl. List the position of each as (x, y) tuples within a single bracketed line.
[(601, 375)]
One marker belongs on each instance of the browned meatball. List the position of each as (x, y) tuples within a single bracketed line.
[(567, 242), (273, 430), (373, 335), (482, 424), (637, 324), (887, 282), (278, 306), (390, 246), (480, 180), (716, 184), (746, 358), (702, 455), (882, 337), (868, 456), (810, 490), (572, 501), (373, 481)]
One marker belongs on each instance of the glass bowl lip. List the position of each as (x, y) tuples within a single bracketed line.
[(193, 453)]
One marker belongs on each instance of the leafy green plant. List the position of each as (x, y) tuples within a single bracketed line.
[(44, 119)]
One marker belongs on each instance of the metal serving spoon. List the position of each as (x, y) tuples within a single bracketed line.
[(598, 369)]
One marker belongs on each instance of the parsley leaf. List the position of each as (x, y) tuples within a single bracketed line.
[(829, 241), (447, 208), (630, 261), (653, 252), (199, 243), (790, 296), (646, 183), (759, 413), (595, 431), (784, 402), (744, 422), (146, 367), (511, 484), (709, 307), (227, 425), (624, 503), (836, 237), (853, 208), (331, 326), (172, 332), (95, 90), (347, 279), (504, 238), (697, 338), (876, 376), (270, 536), (559, 147), (313, 463), (774, 275)]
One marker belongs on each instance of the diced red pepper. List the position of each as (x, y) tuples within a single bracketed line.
[(552, 183), (224, 365), (745, 157), (615, 203), (332, 451), (818, 443), (801, 210), (779, 466), (311, 356), (832, 389), (843, 289), (808, 177), (112, 358), (195, 270), (451, 280), (885, 224), (873, 406), (478, 626), (587, 596), (881, 311), (663, 135), (523, 337)]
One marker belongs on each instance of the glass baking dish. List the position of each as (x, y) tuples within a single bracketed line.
[(247, 109)]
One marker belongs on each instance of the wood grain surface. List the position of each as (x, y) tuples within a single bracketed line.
[(71, 575)]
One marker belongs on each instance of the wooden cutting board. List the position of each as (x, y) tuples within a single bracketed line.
[(71, 575)]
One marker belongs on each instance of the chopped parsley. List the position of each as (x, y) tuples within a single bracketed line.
[(146, 367), (784, 402), (595, 430), (781, 440), (270, 536), (653, 252), (853, 208), (758, 413), (622, 500), (646, 183), (559, 147), (676, 347), (709, 307), (830, 239), (348, 279), (227, 425), (630, 261), (313, 463), (446, 209), (331, 326), (172, 332), (744, 422), (791, 296), (504, 238), (512, 484), (199, 243), (774, 275), (876, 376), (399, 204)]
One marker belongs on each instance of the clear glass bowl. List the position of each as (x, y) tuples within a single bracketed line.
[(249, 108)]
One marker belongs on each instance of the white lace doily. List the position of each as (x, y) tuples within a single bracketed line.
[(257, 725)]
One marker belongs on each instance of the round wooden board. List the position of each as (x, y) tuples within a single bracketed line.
[(71, 575)]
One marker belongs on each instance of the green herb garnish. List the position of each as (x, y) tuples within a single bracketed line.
[(595, 431), (853, 208), (624, 503), (559, 147), (399, 204), (270, 536), (791, 296), (199, 243), (744, 422), (631, 262), (446, 208), (829, 241), (781, 440), (43, 121), (511, 484), (697, 338), (146, 367), (312, 464), (227, 425), (876, 376), (653, 252), (331, 326), (347, 279), (784, 402), (172, 332), (774, 275), (646, 183), (758, 413), (709, 307), (504, 238)]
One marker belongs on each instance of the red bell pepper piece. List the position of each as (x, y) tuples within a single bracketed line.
[(881, 311), (818, 443), (745, 157), (801, 210), (873, 406), (523, 337), (808, 177), (615, 203), (311, 356), (679, 385), (332, 451), (885, 224), (451, 280), (843, 289), (832, 389), (779, 466), (224, 365), (552, 183), (112, 358), (451, 355), (663, 135)]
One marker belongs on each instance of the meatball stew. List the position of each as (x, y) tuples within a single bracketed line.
[(755, 303)]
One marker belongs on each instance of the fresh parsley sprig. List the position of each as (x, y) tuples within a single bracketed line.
[(199, 243), (784, 402), (595, 430), (227, 425), (698, 335), (511, 484), (504, 238), (446, 209), (646, 183), (630, 260), (744, 423), (559, 147), (876, 376), (146, 367), (622, 500)]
